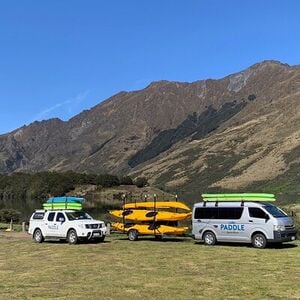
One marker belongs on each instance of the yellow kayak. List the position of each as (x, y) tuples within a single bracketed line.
[(150, 229), (140, 215), (159, 204)]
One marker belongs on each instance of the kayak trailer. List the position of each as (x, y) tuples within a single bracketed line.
[(157, 218)]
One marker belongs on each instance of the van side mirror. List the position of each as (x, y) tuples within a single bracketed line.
[(61, 220)]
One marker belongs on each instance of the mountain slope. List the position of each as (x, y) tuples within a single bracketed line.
[(256, 149), (216, 134)]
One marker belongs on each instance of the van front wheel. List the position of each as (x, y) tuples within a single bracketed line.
[(259, 241), (209, 238)]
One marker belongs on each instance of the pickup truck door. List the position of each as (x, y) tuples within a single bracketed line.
[(62, 226), (50, 225)]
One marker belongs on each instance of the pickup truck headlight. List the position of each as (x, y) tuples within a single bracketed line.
[(81, 226), (279, 228)]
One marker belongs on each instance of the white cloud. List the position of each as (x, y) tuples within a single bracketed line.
[(66, 107)]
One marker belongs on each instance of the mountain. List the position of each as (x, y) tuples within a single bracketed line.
[(242, 131)]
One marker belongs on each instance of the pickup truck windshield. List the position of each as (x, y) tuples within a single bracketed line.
[(275, 211), (78, 215)]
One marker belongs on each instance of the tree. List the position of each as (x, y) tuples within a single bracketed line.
[(141, 182), (126, 180), (9, 214)]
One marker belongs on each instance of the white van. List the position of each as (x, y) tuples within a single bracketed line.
[(245, 222)]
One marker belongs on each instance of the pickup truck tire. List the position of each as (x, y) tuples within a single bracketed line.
[(38, 236), (100, 239), (72, 237)]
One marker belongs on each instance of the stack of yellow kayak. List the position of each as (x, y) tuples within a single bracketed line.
[(146, 229), (152, 218), (141, 215)]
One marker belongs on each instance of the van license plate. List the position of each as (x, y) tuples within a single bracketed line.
[(96, 234), (293, 238)]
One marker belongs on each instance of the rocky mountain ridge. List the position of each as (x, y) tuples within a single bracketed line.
[(229, 132)]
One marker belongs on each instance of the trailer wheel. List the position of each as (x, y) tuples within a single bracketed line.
[(133, 235), (158, 237), (209, 238)]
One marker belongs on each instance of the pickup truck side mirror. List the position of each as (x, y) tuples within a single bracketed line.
[(61, 220), (267, 218)]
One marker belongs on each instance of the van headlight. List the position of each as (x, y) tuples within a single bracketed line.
[(81, 226), (279, 228)]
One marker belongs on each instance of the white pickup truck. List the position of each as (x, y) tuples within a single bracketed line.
[(70, 225)]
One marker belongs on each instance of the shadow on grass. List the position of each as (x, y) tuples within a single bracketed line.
[(246, 245), (79, 243), (156, 240)]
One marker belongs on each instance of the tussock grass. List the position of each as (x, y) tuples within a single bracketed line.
[(146, 269), (16, 227)]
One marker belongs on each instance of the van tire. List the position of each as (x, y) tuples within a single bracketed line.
[(209, 238), (38, 236), (259, 241), (72, 237), (133, 235)]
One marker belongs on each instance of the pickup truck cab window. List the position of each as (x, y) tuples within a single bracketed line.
[(60, 217), (51, 216), (78, 215)]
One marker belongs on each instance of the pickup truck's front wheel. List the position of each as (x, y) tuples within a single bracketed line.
[(100, 239), (72, 237)]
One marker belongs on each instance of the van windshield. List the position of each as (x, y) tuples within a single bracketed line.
[(78, 215), (275, 211)]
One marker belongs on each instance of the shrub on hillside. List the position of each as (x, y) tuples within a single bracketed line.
[(126, 180), (141, 182), (9, 214)]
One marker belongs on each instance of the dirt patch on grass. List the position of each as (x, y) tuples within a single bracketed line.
[(12, 235)]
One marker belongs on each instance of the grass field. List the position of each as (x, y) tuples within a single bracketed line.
[(145, 269), (16, 227)]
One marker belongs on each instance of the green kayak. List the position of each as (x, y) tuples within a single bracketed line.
[(239, 195), (56, 206), (240, 199)]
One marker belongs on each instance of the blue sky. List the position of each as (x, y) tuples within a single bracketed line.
[(59, 57)]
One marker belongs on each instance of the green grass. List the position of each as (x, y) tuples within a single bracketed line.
[(146, 269), (16, 227)]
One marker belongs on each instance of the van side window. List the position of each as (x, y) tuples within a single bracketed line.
[(206, 213), (51, 216), (224, 213), (255, 212), (230, 213)]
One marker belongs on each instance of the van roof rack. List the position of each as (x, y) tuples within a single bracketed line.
[(238, 197)]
